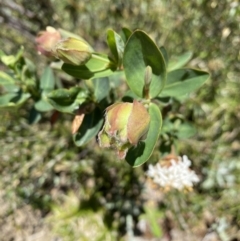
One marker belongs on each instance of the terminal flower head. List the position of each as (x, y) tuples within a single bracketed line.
[(173, 173), (125, 125)]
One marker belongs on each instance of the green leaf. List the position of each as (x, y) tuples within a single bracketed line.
[(101, 88), (164, 54), (13, 99), (67, 100), (136, 156), (19, 99), (8, 83), (64, 96), (116, 46), (168, 126), (6, 79), (6, 99), (47, 80), (140, 52), (183, 81), (11, 60), (98, 66), (186, 130), (89, 129), (177, 62), (43, 106), (126, 33), (30, 66)]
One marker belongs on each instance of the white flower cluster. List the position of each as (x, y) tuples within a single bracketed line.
[(175, 175)]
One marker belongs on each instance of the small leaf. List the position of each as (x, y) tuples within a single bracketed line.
[(136, 156), (6, 79), (186, 130), (140, 52), (30, 66), (8, 83), (101, 88), (90, 127), (5, 99), (116, 46), (13, 99), (11, 60), (67, 100), (98, 66), (19, 99), (126, 34), (47, 80), (168, 126), (65, 96), (183, 81), (177, 62), (43, 106)]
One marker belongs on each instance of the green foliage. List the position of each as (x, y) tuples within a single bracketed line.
[(20, 83), (200, 122), (145, 68)]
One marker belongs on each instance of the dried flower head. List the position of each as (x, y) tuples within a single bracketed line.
[(173, 173)]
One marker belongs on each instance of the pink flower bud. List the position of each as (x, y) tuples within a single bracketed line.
[(125, 125), (46, 40)]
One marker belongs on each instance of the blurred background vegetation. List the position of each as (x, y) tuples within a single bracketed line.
[(53, 190)]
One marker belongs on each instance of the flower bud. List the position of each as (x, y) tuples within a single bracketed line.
[(125, 125), (46, 40), (73, 51)]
